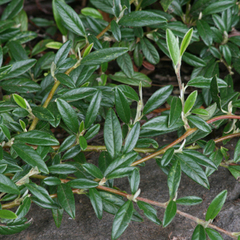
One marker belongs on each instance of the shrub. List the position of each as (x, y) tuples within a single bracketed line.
[(66, 85)]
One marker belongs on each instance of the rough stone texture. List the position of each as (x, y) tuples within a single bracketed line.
[(153, 186)]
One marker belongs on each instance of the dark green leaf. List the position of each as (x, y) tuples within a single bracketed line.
[(213, 235), (68, 142), (52, 181), (129, 92), (149, 212), (141, 19), (203, 82), (116, 30), (12, 9), (167, 157), (66, 199), (134, 181), (120, 172), (7, 185), (70, 18), (125, 63), (199, 123), (23, 208), (16, 228), (189, 200), (96, 202), (132, 138), (112, 134), (92, 131), (165, 4), (93, 109), (215, 52), (215, 92), (236, 157), (174, 178), (209, 148), (225, 50), (43, 114), (169, 213), (57, 216), (30, 156), (93, 170), (78, 93), (40, 46), (37, 137), (82, 183), (217, 7), (204, 31), (62, 168), (122, 219), (68, 115), (157, 99), (216, 205), (103, 55), (175, 111), (199, 233), (137, 55), (193, 60), (65, 80)]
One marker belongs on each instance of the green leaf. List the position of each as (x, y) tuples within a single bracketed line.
[(62, 53), (23, 208), (92, 131), (217, 7), (141, 19), (193, 170), (112, 134), (65, 80), (37, 137), (203, 82), (66, 199), (216, 205), (78, 93), (213, 234), (120, 173), (52, 181), (225, 50), (57, 216), (167, 157), (125, 63), (12, 9), (70, 18), (189, 200), (103, 55), (24, 37), (186, 40), (40, 46), (123, 161), (88, 11), (62, 168), (149, 212), (88, 50), (68, 115), (193, 60), (82, 183), (174, 178), (93, 109), (5, 131), (134, 181), (18, 68), (129, 92), (92, 170), (199, 123), (200, 111), (20, 101), (43, 114), (199, 233), (215, 92), (96, 202), (116, 30), (149, 51), (236, 157), (122, 219), (7, 214), (21, 85), (16, 228), (215, 52), (122, 106), (169, 213), (173, 48), (6, 24), (157, 99), (209, 148), (175, 111), (30, 156), (204, 31), (134, 81), (132, 138), (190, 102), (7, 185), (82, 142), (165, 4), (137, 55)]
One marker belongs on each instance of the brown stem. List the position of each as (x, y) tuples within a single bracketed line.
[(226, 137)]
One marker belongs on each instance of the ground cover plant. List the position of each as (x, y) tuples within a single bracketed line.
[(69, 85)]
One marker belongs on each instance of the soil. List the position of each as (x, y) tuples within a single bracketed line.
[(153, 186)]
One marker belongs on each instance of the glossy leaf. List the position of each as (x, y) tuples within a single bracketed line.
[(186, 41), (12, 9), (203, 82), (65, 80), (167, 157), (16, 228), (20, 101), (175, 111), (103, 55), (213, 234), (92, 131), (215, 92), (217, 7), (204, 32), (116, 30), (70, 18), (62, 169), (122, 219), (199, 123), (169, 213), (125, 63), (174, 178), (165, 4), (7, 214), (189, 200), (157, 99), (37, 137), (199, 233), (216, 205), (66, 199), (209, 148), (82, 183), (96, 202), (30, 156), (112, 134), (23, 208), (52, 181), (190, 102), (141, 19), (57, 216), (120, 172), (149, 211), (7, 185), (193, 60), (134, 181), (78, 93), (93, 170)]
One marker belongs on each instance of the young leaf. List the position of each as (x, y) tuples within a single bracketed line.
[(174, 178), (157, 99), (66, 199), (68, 115), (173, 47), (169, 213), (112, 134), (96, 202), (186, 40), (93, 170), (93, 109), (149, 212), (30, 156), (216, 205), (199, 233), (125, 63), (88, 50), (122, 106), (175, 111), (20, 101), (122, 219), (88, 11), (189, 200), (213, 234), (190, 102), (70, 18), (7, 185)]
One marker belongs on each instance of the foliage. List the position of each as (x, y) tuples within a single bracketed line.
[(67, 85)]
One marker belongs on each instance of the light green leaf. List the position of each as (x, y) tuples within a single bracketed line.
[(186, 40), (190, 102), (7, 214)]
